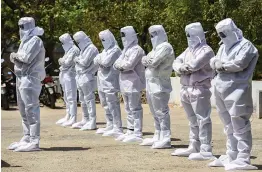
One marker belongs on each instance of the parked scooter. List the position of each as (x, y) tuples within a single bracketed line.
[(48, 92)]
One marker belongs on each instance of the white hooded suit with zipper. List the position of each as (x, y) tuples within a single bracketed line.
[(85, 79), (108, 84), (29, 68), (67, 79), (234, 63), (132, 82), (196, 74), (158, 86)]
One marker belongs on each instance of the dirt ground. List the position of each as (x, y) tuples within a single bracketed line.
[(65, 149)]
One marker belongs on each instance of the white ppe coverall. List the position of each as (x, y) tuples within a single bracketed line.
[(234, 63), (158, 85), (132, 82), (67, 79), (85, 79), (108, 84), (29, 68), (196, 74)]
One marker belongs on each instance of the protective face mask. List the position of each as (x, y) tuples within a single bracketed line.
[(193, 42), (24, 34), (154, 39), (66, 47), (229, 39), (106, 43), (124, 41)]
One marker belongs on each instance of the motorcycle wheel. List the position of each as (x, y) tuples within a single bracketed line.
[(52, 101), (5, 103)]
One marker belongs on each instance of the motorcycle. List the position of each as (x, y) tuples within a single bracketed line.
[(48, 93), (8, 88)]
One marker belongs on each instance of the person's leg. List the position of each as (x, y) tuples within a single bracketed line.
[(194, 143), (150, 141), (108, 115), (89, 97), (160, 103), (71, 99), (67, 116), (200, 101), (240, 106), (85, 115), (25, 124), (134, 100), (114, 108), (231, 143), (130, 117), (30, 89)]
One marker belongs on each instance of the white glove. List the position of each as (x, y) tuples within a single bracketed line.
[(61, 61), (13, 57), (184, 69), (219, 66), (118, 67), (144, 61)]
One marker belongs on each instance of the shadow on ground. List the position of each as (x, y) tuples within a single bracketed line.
[(100, 123), (65, 149), (258, 166), (179, 146), (5, 164), (175, 139)]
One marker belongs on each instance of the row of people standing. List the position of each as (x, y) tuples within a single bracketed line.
[(233, 67), (233, 64)]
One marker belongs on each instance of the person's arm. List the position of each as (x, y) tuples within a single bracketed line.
[(88, 56), (242, 59), (68, 59), (97, 59), (178, 62), (110, 59), (145, 59), (160, 55), (132, 61), (216, 58), (201, 60), (28, 53)]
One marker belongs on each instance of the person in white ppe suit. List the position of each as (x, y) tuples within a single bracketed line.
[(132, 82), (108, 84), (158, 86), (234, 63), (29, 68), (67, 79), (196, 74), (85, 78)]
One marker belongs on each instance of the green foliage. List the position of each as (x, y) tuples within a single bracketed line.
[(92, 16)]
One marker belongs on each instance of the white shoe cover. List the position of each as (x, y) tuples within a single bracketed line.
[(114, 132), (132, 138), (122, 137), (201, 156), (15, 145), (78, 125), (184, 152), (62, 120), (220, 162), (90, 125), (239, 165), (161, 144), (29, 147), (100, 130), (70, 122), (147, 142), (23, 141)]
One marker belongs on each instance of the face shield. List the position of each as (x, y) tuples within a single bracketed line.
[(157, 35)]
